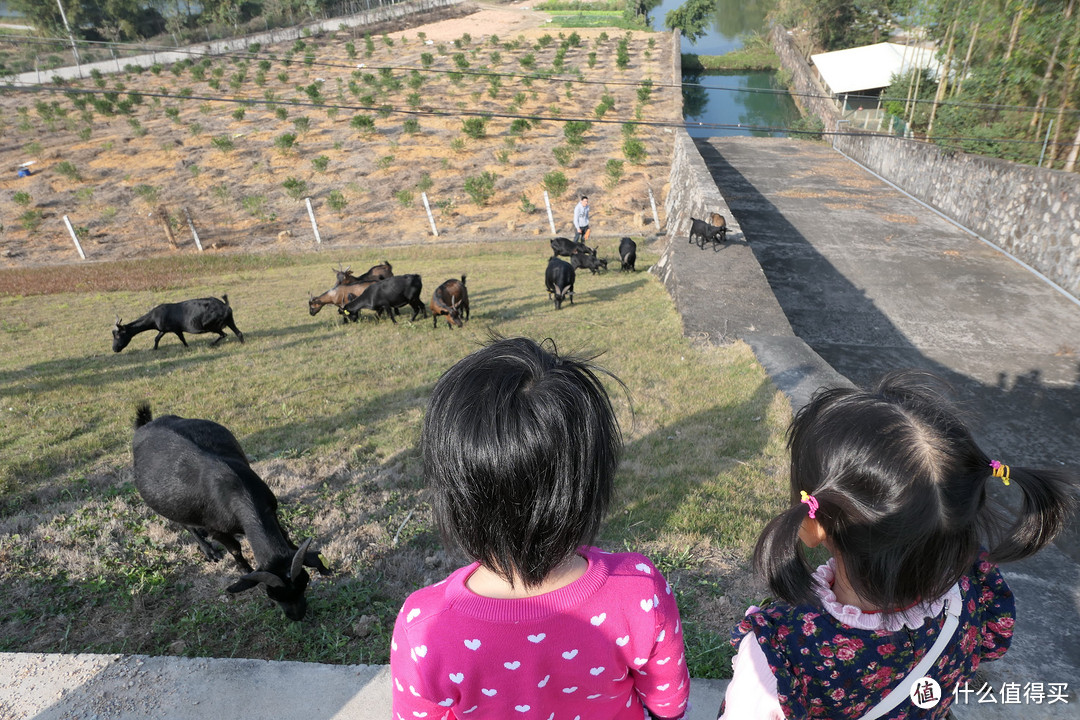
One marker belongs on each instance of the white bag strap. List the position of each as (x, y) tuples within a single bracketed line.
[(903, 691)]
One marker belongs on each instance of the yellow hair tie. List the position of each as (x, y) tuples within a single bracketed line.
[(1000, 470)]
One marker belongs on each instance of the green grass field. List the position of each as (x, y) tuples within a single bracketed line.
[(330, 416)]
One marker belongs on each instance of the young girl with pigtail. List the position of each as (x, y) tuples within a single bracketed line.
[(892, 483)]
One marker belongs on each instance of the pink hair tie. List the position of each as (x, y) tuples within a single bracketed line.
[(809, 500), (1000, 470)]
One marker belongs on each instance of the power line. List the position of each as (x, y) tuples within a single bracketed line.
[(441, 112), (560, 77)]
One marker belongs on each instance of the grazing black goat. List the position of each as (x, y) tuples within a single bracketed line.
[(569, 248), (386, 295), (452, 300), (628, 254), (374, 274), (194, 316), (559, 279), (194, 472), (590, 262)]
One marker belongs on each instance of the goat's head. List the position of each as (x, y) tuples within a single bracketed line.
[(313, 305), (343, 275), (561, 294), (285, 586), (454, 316), (121, 336)]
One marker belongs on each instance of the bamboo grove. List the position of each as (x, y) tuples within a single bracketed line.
[(1010, 78)]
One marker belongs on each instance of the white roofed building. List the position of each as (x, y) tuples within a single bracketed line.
[(869, 69)]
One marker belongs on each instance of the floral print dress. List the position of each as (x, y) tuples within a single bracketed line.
[(837, 661)]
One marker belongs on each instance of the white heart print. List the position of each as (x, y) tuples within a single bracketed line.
[(569, 689), (537, 638), (422, 650), (543, 682), (570, 654), (456, 678), (490, 693), (644, 568), (647, 604), (473, 644), (412, 614), (596, 671), (598, 619), (447, 702), (521, 708), (512, 665), (621, 642)]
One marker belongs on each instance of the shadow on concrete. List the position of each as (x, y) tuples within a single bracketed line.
[(874, 282)]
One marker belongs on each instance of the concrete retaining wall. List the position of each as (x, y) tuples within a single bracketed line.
[(1031, 212)]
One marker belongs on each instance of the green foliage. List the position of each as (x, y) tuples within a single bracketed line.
[(475, 127), (481, 187), (281, 113), (320, 163), (238, 113), (574, 132), (563, 154), (364, 123), (528, 61), (68, 170), (255, 206), (811, 127), (460, 61), (614, 171), (223, 143), (336, 201), (427, 59), (644, 91), (22, 198), (285, 143), (526, 205), (592, 60), (301, 124), (634, 150), (555, 183), (411, 126), (31, 220), (404, 197), (148, 193), (295, 187)]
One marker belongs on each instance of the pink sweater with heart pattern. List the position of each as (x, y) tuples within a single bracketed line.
[(597, 649)]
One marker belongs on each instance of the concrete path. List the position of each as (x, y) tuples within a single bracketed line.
[(866, 279)]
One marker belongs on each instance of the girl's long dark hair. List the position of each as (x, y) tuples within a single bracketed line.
[(520, 448), (902, 493)]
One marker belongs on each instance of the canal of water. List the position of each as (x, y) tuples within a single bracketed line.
[(745, 98)]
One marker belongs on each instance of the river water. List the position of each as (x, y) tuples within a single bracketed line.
[(730, 99)]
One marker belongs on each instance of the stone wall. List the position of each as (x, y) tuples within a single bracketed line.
[(1031, 212)]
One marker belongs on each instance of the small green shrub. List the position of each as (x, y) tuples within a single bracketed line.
[(320, 163), (384, 162), (301, 124), (363, 123), (411, 126), (148, 193), (427, 59), (481, 187), (285, 142), (31, 220), (425, 183), (526, 206), (22, 198), (528, 61), (634, 150), (336, 201), (281, 113), (68, 170), (614, 170), (556, 183), (223, 143), (295, 187), (404, 197), (475, 127), (574, 132), (563, 154)]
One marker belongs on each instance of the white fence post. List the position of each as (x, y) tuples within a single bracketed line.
[(434, 230), (74, 237), (314, 225), (551, 220), (194, 234), (655, 219)]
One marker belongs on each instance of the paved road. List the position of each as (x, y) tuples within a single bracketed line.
[(872, 280)]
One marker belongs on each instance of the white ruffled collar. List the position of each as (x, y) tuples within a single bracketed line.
[(912, 618)]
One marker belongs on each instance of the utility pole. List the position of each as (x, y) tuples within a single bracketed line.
[(74, 49)]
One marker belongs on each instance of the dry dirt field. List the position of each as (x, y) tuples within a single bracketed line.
[(223, 153)]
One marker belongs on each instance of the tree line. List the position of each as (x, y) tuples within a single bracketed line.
[(1010, 69)]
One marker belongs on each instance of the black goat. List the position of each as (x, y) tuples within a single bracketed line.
[(452, 300), (705, 232), (559, 279), (628, 253), (388, 294), (194, 472), (590, 262), (194, 316), (569, 248), (374, 274)]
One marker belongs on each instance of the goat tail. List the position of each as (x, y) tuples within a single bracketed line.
[(462, 279), (225, 299), (143, 414)]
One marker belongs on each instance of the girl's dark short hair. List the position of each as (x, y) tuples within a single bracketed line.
[(520, 448), (901, 487)]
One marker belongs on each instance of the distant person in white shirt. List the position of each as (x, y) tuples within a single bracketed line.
[(581, 220)]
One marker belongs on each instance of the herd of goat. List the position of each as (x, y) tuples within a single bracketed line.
[(194, 471)]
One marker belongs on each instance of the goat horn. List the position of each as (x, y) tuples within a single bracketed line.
[(117, 321), (298, 559), (261, 576)]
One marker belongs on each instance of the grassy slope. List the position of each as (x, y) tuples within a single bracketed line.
[(331, 415)]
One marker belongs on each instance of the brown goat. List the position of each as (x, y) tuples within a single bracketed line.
[(338, 295), (452, 300), (374, 274)]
